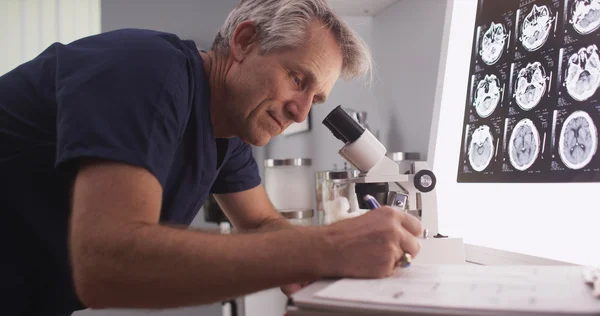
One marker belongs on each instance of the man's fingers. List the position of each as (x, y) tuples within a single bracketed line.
[(411, 224), (410, 243), (291, 288)]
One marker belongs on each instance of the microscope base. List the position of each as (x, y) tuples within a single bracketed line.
[(441, 251)]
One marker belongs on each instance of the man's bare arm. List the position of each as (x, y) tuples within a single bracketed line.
[(251, 209), (122, 257)]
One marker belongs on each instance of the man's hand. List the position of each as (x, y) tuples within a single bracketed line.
[(370, 245), (290, 289)]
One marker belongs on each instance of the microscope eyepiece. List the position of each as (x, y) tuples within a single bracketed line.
[(343, 126)]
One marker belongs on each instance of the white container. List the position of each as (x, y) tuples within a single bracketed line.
[(289, 183), (336, 196)]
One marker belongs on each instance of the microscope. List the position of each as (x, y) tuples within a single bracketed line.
[(415, 193), (415, 188)]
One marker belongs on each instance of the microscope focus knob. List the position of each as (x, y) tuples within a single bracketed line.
[(425, 180)]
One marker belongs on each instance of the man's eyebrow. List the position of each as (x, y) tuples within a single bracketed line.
[(311, 78)]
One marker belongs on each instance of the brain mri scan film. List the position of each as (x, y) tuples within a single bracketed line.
[(487, 95), (524, 145), (531, 107), (578, 140), (585, 16), (530, 86), (481, 148), (536, 27), (493, 42), (583, 73)]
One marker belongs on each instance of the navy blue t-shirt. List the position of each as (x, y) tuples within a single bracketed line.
[(136, 96)]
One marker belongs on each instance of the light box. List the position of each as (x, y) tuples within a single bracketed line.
[(540, 196)]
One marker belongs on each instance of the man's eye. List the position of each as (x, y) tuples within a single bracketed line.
[(297, 81)]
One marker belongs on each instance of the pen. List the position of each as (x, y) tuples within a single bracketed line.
[(406, 258)]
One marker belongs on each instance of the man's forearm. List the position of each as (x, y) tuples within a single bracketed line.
[(267, 225), (272, 224), (153, 266)]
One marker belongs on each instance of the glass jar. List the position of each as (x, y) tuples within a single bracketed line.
[(288, 183)]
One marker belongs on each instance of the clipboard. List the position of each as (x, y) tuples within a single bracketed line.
[(466, 290)]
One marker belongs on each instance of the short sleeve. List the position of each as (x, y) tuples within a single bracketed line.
[(239, 172), (123, 99)]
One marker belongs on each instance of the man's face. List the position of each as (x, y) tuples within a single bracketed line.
[(267, 93)]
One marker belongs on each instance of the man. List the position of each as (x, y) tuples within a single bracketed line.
[(110, 145)]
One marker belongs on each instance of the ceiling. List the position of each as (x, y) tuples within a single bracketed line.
[(359, 7)]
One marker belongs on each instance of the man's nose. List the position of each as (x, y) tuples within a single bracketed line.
[(299, 108)]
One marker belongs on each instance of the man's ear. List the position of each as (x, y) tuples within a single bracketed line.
[(244, 39)]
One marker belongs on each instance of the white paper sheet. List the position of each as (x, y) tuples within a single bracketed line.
[(502, 288)]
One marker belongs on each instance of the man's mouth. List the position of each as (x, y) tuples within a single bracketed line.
[(276, 120)]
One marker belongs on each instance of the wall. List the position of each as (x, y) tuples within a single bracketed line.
[(408, 37), (197, 20), (558, 221)]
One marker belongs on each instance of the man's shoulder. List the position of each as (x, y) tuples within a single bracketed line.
[(138, 35), (129, 54), (149, 41)]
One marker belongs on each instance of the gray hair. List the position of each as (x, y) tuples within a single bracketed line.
[(284, 23)]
